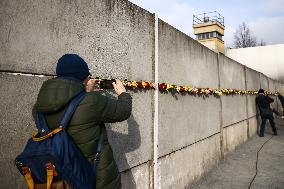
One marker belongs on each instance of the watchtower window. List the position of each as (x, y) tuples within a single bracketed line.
[(209, 35)]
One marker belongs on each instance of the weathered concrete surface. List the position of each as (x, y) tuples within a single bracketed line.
[(179, 123), (183, 61), (131, 140), (234, 136), (272, 88), (272, 85), (237, 170), (278, 103), (252, 79), (254, 123), (179, 169), (281, 88), (18, 95), (253, 84), (231, 74), (184, 58), (233, 109), (252, 109), (137, 177), (115, 36), (264, 84)]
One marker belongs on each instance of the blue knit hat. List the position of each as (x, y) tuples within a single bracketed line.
[(72, 65)]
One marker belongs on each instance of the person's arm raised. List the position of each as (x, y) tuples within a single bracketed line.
[(116, 110)]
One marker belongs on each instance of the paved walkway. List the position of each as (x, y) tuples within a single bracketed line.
[(238, 169)]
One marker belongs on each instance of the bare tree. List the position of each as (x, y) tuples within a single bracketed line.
[(262, 43), (243, 37)]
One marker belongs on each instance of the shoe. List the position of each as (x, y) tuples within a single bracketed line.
[(261, 135), (275, 133)]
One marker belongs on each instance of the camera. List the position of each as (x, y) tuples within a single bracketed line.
[(106, 84)]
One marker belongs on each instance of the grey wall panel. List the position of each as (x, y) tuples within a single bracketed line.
[(272, 89), (234, 136), (18, 95), (253, 84), (186, 119), (131, 140), (115, 37), (181, 168), (233, 109), (252, 111), (231, 74), (272, 85), (264, 83), (137, 178), (184, 61), (252, 79), (278, 90), (254, 125)]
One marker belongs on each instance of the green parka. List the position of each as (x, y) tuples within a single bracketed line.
[(87, 122)]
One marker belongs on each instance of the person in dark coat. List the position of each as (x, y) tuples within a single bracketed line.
[(88, 120), (281, 99), (266, 113)]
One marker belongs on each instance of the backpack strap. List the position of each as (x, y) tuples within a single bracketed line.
[(28, 177), (50, 172), (71, 109), (66, 118), (42, 125)]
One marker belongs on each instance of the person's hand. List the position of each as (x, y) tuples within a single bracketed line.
[(118, 87), (90, 85)]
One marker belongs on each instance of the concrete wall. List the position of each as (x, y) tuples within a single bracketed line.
[(180, 168), (116, 38), (18, 94), (184, 58), (232, 76), (253, 83), (234, 131), (185, 120)]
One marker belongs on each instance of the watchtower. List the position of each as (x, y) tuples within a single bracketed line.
[(209, 30)]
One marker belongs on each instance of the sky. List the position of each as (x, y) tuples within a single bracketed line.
[(265, 18)]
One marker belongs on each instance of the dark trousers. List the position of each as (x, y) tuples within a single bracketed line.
[(271, 121)]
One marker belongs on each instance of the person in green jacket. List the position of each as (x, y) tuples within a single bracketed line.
[(88, 120)]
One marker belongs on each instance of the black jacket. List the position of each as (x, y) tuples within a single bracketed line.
[(263, 103)]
